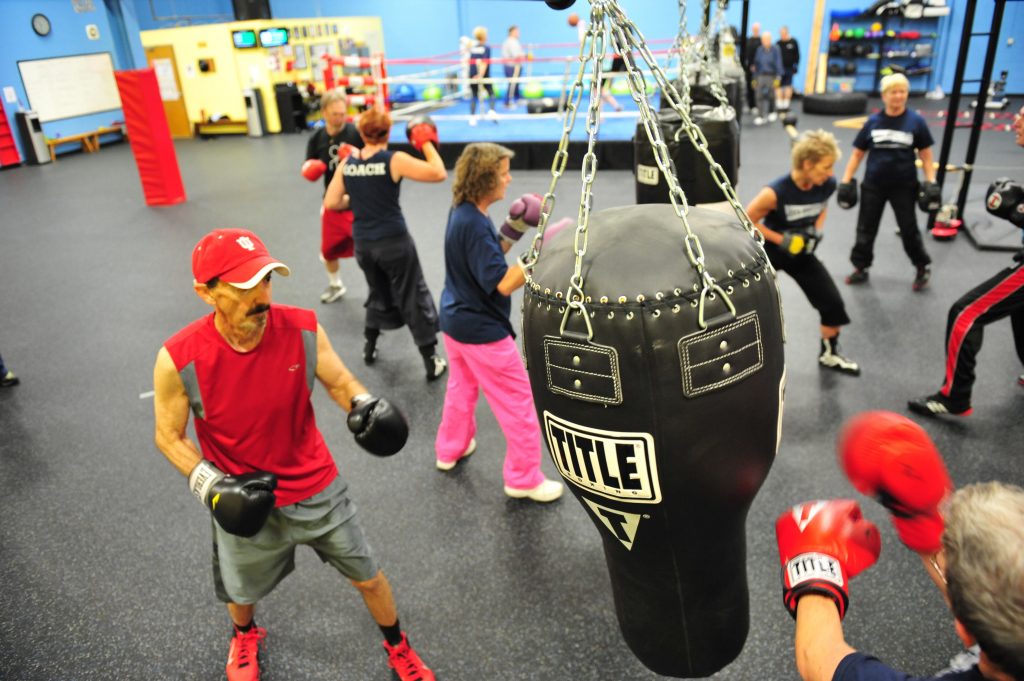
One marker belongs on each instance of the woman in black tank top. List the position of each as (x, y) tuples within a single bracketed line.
[(369, 184), (790, 212)]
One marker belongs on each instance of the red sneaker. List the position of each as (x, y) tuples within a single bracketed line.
[(243, 656), (406, 663)]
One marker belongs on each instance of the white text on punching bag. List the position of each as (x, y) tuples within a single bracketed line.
[(612, 464)]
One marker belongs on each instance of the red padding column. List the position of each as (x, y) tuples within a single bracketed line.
[(150, 137)]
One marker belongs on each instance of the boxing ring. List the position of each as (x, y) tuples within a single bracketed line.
[(534, 137)]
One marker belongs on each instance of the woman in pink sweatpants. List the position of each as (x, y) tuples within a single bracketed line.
[(477, 332)]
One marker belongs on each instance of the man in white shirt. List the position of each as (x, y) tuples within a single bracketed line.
[(512, 50)]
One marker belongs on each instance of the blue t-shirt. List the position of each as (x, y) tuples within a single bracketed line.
[(891, 141), (860, 667), (768, 61), (472, 309), (796, 208), (373, 197), (478, 51)]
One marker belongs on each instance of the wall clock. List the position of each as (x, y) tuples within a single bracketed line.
[(40, 24)]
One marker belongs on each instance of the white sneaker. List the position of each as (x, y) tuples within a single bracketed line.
[(772, 117), (448, 465), (831, 359), (549, 490), (492, 114), (472, 121), (758, 120), (332, 293)]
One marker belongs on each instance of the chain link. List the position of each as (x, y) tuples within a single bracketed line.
[(627, 40), (626, 37), (586, 56)]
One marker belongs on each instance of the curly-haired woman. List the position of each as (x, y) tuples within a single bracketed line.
[(477, 330)]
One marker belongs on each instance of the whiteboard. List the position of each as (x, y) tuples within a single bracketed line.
[(64, 87)]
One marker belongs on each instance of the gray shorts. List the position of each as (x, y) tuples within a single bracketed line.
[(245, 569)]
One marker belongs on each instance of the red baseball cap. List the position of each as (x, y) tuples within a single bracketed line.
[(235, 256)]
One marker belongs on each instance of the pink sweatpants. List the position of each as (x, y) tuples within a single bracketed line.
[(497, 369)]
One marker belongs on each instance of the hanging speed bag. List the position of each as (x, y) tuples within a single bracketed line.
[(723, 135), (662, 429)]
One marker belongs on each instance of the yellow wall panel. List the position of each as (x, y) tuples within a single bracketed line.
[(220, 91)]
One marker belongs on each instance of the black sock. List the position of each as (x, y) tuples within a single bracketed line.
[(428, 351), (247, 628), (371, 335), (392, 634)]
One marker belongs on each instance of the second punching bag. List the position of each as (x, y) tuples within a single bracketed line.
[(722, 133), (662, 414)]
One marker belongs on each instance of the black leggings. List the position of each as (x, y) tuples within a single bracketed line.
[(815, 281), (872, 203), (398, 294)]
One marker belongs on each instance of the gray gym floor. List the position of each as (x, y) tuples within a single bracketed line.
[(105, 556)]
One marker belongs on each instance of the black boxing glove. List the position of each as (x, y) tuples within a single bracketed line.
[(929, 197), (239, 503), (846, 194), (1005, 199), (379, 427)]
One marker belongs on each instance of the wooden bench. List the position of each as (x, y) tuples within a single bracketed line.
[(90, 140)]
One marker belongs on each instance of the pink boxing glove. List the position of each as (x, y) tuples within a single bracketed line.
[(523, 214)]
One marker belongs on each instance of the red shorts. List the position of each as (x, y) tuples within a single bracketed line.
[(336, 234)]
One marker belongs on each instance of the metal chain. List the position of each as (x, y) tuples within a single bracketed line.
[(586, 56), (704, 58), (695, 134), (575, 296), (627, 38)]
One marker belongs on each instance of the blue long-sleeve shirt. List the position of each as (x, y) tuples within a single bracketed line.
[(768, 61)]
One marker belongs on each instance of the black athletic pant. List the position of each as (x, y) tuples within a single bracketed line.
[(478, 90), (998, 297), (398, 294), (872, 203), (814, 280)]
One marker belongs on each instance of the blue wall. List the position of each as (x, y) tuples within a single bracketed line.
[(1008, 57), (798, 16), (434, 27), (67, 37)]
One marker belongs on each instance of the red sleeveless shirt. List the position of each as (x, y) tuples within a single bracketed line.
[(253, 410)]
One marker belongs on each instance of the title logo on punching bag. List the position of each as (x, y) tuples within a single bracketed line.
[(622, 525), (612, 464)]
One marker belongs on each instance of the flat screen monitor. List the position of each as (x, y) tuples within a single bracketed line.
[(273, 37), (244, 39)]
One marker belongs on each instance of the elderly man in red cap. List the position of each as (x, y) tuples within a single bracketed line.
[(261, 466)]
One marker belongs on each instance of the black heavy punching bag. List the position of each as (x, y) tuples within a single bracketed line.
[(701, 92), (662, 429), (723, 135)]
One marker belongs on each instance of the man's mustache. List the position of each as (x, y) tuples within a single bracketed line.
[(259, 309)]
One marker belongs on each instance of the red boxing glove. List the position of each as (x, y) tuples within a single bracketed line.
[(523, 214), (313, 169), (822, 545), (344, 151), (421, 130), (889, 457)]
